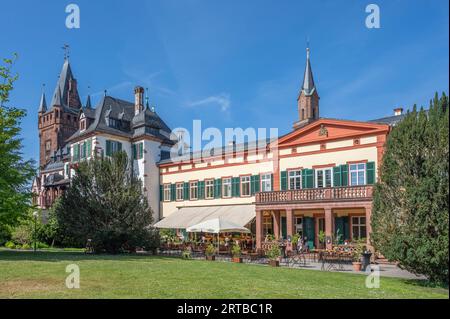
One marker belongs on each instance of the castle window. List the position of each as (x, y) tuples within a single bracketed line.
[(324, 177), (138, 151), (303, 114), (56, 114), (179, 194), (226, 187), (112, 147), (295, 179), (357, 174), (245, 186)]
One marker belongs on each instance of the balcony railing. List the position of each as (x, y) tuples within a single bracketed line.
[(316, 194)]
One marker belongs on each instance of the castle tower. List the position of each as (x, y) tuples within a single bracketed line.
[(308, 98), (59, 120)]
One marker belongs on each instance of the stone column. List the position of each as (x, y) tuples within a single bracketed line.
[(329, 228), (276, 224), (259, 228), (368, 224)]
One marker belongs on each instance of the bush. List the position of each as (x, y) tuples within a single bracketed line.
[(23, 234), (236, 251), (210, 250), (25, 246), (186, 254), (274, 252), (10, 245)]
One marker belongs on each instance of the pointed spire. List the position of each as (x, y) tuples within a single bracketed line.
[(146, 99), (57, 98), (42, 104), (88, 102), (67, 86), (308, 86)]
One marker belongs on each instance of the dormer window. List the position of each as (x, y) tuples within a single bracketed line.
[(114, 123), (83, 124)]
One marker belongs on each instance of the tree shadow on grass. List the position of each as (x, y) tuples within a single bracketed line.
[(57, 256)]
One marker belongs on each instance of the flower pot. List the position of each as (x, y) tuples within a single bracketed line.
[(274, 263), (236, 259), (356, 266), (211, 258)]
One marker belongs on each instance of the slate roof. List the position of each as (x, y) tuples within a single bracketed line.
[(308, 86), (390, 120), (144, 123)]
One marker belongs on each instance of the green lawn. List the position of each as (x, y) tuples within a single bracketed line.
[(42, 275)]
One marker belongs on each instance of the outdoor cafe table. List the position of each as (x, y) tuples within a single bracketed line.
[(334, 259)]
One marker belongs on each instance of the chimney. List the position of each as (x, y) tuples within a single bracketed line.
[(398, 111), (138, 99)]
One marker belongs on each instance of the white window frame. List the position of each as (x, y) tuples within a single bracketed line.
[(179, 190), (166, 192), (323, 170), (193, 190), (359, 224), (297, 175), (226, 187), (245, 180), (209, 188), (354, 168), (266, 182)]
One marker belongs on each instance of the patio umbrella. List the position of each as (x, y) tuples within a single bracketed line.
[(216, 226)]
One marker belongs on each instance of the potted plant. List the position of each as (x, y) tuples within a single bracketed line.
[(236, 253), (356, 256), (274, 254), (210, 252), (186, 254), (322, 238)]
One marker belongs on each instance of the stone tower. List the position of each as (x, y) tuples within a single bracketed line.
[(308, 99), (59, 120)]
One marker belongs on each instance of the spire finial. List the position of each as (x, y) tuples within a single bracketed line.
[(66, 49), (105, 91), (146, 99)]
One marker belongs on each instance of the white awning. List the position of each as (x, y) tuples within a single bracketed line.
[(189, 216)]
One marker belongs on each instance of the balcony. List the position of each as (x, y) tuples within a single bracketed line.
[(346, 193)]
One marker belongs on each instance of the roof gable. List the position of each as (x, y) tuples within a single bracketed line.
[(330, 129)]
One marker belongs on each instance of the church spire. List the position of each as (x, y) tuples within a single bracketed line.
[(42, 104), (308, 86), (88, 102), (308, 98), (67, 86)]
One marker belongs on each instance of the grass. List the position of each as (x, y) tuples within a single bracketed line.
[(42, 275)]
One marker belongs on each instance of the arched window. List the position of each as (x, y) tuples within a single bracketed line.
[(303, 114)]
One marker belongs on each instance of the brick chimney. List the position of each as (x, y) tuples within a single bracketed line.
[(138, 99), (398, 111)]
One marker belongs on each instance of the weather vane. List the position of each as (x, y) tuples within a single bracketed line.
[(66, 49)]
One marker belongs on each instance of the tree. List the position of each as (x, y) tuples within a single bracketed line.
[(410, 216), (105, 203), (15, 172)]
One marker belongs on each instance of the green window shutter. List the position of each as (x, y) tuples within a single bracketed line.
[(309, 231), (186, 191), (119, 146), (337, 176), (370, 173), (344, 175), (172, 192), (108, 148), (161, 193), (254, 184), (235, 187), (201, 190), (76, 150), (283, 176), (89, 147), (271, 182), (133, 151), (141, 150), (307, 178), (217, 188), (257, 183)]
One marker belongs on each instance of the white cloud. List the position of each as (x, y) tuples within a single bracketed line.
[(222, 100)]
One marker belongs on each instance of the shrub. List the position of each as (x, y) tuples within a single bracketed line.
[(210, 250), (236, 251), (186, 254), (10, 245), (23, 234), (274, 252), (25, 246)]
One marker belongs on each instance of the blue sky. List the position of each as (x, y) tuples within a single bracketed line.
[(231, 63)]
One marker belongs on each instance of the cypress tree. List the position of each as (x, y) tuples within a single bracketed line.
[(410, 209)]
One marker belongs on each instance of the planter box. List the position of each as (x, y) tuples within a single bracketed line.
[(211, 258), (356, 266), (274, 263), (237, 259)]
